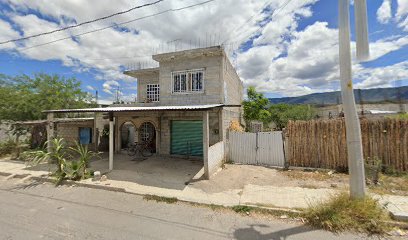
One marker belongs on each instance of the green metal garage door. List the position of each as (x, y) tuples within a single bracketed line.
[(187, 138)]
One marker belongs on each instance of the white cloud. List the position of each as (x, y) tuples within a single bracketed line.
[(402, 9), (384, 12), (283, 59), (382, 76), (384, 46), (90, 88), (402, 14), (309, 62), (108, 86), (7, 32)]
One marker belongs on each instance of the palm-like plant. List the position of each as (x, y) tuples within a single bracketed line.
[(66, 169), (78, 169), (57, 155)]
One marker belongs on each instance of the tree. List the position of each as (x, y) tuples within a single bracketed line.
[(256, 107), (24, 98), (282, 113)]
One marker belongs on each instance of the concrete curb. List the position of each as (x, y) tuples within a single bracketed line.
[(402, 220), (117, 189)]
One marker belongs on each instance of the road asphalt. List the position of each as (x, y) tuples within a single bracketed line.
[(36, 210)]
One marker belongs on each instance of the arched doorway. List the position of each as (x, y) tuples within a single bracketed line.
[(128, 134), (147, 133)]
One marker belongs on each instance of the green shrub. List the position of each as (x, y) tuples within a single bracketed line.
[(341, 213), (160, 199), (8, 147), (372, 167), (242, 209)]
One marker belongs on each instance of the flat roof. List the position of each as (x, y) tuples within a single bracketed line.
[(138, 109)]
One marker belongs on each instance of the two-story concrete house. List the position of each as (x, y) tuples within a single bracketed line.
[(184, 107)]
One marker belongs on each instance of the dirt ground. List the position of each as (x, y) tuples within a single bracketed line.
[(237, 176)]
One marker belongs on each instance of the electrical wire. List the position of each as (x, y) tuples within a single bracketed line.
[(248, 20), (81, 24), (275, 11), (118, 24)]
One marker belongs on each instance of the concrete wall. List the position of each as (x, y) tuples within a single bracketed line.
[(233, 86), (142, 82), (323, 112), (216, 157), (69, 131), (212, 81), (162, 123)]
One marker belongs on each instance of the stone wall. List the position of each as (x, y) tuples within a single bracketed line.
[(4, 134)]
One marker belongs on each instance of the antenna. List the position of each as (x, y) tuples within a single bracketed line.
[(117, 94), (96, 97)]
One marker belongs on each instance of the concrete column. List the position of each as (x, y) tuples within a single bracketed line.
[(50, 131), (111, 133), (118, 136), (221, 130), (95, 133), (206, 141)]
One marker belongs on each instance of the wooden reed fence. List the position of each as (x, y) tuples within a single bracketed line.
[(322, 143)]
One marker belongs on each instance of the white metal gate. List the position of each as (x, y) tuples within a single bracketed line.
[(263, 148)]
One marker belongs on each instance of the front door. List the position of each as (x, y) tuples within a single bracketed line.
[(187, 138)]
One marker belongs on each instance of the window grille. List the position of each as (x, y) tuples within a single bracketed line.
[(191, 81), (153, 92)]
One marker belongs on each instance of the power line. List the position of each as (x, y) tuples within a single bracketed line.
[(118, 24), (249, 19), (275, 11), (80, 24)]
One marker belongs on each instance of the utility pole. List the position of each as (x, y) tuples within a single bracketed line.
[(353, 131)]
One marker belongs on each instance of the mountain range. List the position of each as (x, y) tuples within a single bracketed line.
[(375, 95)]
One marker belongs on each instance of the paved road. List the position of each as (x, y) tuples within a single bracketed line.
[(41, 211)]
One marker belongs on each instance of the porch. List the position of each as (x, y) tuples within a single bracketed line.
[(176, 130)]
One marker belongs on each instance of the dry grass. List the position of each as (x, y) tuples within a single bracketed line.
[(340, 213), (391, 185), (303, 175), (160, 199)]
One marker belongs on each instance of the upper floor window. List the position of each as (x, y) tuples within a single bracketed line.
[(153, 92), (191, 81)]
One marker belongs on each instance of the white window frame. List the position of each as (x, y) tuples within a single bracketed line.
[(189, 81), (151, 94)]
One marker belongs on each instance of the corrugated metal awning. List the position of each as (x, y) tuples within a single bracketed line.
[(139, 109)]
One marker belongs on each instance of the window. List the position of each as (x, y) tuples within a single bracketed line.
[(188, 81), (147, 132), (85, 135), (153, 92)]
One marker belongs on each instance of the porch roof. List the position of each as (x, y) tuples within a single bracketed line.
[(139, 109)]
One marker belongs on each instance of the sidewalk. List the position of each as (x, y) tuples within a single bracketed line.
[(198, 192)]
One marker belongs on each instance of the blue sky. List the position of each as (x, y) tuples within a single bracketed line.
[(294, 53)]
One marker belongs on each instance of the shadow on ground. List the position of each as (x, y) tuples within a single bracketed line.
[(155, 171), (252, 233)]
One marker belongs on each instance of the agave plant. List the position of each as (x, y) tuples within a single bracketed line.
[(57, 155), (75, 169), (78, 169)]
